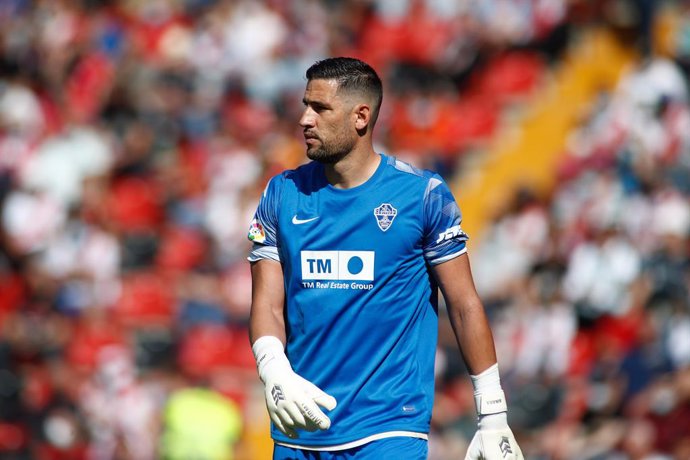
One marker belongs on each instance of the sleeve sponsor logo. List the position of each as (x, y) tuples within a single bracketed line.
[(451, 233), (256, 232)]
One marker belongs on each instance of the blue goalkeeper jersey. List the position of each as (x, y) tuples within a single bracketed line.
[(361, 303)]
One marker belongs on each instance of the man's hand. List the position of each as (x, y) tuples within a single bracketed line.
[(493, 440), (292, 401), (494, 444)]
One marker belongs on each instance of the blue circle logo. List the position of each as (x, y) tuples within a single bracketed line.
[(355, 265)]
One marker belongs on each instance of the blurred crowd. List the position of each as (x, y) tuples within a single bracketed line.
[(136, 137), (588, 287)]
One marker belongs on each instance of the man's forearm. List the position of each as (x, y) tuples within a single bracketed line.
[(474, 336), (263, 322), (266, 316)]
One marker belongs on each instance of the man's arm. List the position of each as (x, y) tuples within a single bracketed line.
[(268, 300), (291, 400), (494, 440), (466, 313)]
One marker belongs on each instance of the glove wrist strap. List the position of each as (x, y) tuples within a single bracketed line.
[(490, 402), (488, 394), (270, 356)]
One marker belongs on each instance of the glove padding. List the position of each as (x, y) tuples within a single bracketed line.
[(490, 444), (292, 401)]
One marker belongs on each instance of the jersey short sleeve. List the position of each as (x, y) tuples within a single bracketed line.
[(444, 239), (263, 229)]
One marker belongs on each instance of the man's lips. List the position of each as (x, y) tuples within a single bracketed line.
[(310, 138)]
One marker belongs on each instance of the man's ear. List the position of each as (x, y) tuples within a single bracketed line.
[(362, 114)]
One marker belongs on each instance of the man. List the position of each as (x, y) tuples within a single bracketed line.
[(349, 251)]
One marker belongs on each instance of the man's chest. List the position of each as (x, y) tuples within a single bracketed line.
[(346, 238)]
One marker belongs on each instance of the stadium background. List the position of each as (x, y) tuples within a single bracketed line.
[(136, 137)]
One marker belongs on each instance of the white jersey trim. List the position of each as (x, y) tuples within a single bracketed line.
[(259, 252), (448, 257), (358, 442)]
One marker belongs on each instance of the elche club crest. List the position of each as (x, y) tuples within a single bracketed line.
[(384, 215)]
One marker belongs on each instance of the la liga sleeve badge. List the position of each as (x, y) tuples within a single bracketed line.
[(256, 232)]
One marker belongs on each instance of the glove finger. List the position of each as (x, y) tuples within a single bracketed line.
[(273, 413), (284, 417), (311, 426), (289, 432), (293, 409), (518, 454), (314, 414), (474, 451), (322, 398), (326, 401)]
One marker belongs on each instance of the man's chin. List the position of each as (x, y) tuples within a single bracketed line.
[(322, 157)]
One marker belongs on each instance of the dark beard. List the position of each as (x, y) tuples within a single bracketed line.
[(331, 154), (326, 156)]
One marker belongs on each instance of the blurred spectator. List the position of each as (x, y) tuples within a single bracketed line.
[(119, 410), (200, 423)]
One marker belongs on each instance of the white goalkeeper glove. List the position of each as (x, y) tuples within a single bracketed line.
[(493, 440), (292, 401)]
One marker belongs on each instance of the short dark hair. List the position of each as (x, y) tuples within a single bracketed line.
[(351, 75)]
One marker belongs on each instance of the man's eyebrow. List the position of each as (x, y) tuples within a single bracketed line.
[(315, 103)]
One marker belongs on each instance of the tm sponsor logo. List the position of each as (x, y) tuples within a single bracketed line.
[(337, 269)]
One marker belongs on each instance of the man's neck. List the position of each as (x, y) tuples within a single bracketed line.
[(353, 170)]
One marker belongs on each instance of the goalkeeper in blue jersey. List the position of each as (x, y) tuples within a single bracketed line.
[(349, 252)]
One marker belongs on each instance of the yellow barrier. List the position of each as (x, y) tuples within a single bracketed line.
[(527, 151)]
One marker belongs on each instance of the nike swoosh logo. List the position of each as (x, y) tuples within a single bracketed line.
[(297, 221)]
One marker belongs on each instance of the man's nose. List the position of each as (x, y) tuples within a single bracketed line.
[(307, 119)]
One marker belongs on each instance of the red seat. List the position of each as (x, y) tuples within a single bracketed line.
[(135, 204), (12, 437), (207, 348), (88, 339), (468, 122), (180, 249), (87, 85), (510, 75), (146, 300), (380, 42), (12, 294)]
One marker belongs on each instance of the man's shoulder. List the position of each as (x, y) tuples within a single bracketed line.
[(303, 170), (298, 176), (407, 170), (425, 181), (419, 179)]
